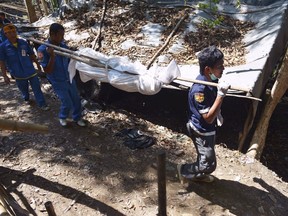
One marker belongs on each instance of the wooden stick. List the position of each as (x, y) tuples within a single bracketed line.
[(90, 61), (97, 39), (69, 53), (167, 41), (184, 87), (6, 124), (238, 88), (161, 171)]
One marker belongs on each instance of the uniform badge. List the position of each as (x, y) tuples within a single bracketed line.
[(199, 97)]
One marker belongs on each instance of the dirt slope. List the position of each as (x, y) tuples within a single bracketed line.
[(88, 171)]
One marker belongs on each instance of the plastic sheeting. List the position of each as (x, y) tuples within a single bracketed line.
[(265, 45), (123, 74)]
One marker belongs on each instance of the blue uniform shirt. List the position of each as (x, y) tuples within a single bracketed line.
[(60, 71), (18, 58), (200, 99)]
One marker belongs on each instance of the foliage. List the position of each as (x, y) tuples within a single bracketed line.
[(212, 7)]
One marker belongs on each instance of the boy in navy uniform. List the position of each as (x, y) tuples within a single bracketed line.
[(56, 69), (17, 55), (204, 108)]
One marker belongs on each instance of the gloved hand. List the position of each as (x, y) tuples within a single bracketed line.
[(222, 88)]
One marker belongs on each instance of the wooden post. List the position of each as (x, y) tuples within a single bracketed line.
[(50, 209), (31, 11), (162, 184), (278, 90)]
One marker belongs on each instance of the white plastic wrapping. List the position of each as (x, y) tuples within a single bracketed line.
[(123, 74)]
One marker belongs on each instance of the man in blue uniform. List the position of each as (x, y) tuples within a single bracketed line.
[(204, 108), (17, 55), (56, 68)]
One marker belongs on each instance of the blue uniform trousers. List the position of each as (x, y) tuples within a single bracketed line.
[(70, 99), (23, 86)]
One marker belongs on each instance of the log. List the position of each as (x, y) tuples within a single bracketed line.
[(6, 124), (167, 40), (278, 90)]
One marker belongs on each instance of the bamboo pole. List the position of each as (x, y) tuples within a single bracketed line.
[(65, 52), (6, 124), (96, 63), (237, 88), (278, 90)]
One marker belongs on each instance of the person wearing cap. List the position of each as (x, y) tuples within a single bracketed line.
[(204, 108), (17, 55), (56, 68), (3, 21)]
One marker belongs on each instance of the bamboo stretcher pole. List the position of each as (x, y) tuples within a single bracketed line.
[(6, 124), (96, 63), (61, 49), (237, 88), (90, 61)]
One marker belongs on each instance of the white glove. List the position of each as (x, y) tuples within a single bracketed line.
[(222, 88)]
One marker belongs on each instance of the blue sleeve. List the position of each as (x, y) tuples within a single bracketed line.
[(2, 53), (43, 56)]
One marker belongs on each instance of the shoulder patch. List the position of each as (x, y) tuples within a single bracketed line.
[(199, 97)]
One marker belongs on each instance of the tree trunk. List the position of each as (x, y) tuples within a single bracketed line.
[(31, 11), (278, 90)]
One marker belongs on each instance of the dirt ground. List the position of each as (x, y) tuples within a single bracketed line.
[(89, 171)]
